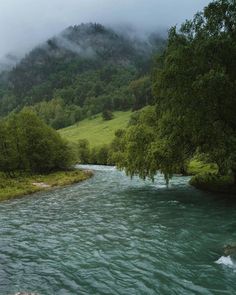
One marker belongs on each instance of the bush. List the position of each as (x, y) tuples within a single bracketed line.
[(214, 183), (101, 155), (107, 115)]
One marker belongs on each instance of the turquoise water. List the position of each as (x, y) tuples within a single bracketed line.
[(111, 235)]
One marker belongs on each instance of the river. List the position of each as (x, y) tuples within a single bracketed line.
[(114, 235)]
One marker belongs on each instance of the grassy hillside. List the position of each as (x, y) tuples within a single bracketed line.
[(96, 130)]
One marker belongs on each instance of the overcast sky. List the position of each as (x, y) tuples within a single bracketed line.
[(25, 23)]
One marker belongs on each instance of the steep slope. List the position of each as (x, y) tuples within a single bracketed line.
[(86, 68)]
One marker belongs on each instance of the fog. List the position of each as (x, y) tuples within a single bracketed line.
[(25, 23)]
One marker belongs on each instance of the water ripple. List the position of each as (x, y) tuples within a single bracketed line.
[(111, 235)]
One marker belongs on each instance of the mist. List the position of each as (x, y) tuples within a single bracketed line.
[(26, 23)]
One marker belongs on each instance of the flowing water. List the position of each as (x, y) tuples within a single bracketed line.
[(111, 235)]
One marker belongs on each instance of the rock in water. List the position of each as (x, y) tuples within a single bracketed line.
[(230, 249)]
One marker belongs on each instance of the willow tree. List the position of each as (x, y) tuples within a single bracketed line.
[(195, 90)]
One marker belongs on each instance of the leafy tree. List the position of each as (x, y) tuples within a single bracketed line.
[(142, 92), (196, 87), (83, 151), (8, 155), (29, 145), (195, 91), (107, 115), (100, 155), (56, 113)]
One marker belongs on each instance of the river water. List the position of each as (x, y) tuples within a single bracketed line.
[(113, 235)]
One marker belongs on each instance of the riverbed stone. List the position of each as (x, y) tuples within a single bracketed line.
[(230, 249)]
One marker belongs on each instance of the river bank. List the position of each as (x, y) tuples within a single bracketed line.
[(146, 238), (25, 185), (205, 177), (214, 183)]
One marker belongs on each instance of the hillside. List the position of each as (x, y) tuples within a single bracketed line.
[(96, 130), (79, 73)]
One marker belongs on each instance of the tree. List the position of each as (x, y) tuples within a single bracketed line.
[(38, 148), (196, 87), (107, 115), (195, 92), (8, 155), (142, 92), (100, 155), (83, 151)]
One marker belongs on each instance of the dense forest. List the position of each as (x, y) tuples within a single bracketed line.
[(85, 70)]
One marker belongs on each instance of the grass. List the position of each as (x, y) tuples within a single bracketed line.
[(206, 177), (23, 185), (214, 183), (97, 131), (196, 167)]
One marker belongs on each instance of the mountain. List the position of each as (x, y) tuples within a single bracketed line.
[(8, 62), (78, 73)]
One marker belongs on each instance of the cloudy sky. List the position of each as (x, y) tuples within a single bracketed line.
[(25, 23)]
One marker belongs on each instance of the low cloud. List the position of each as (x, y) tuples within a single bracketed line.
[(26, 23), (82, 49)]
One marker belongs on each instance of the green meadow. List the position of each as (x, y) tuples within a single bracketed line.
[(96, 130)]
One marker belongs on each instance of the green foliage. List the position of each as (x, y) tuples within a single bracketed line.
[(8, 148), (25, 184), (80, 73), (141, 90), (195, 94), (57, 114), (97, 155), (83, 151), (100, 155), (135, 148), (97, 146), (196, 166), (195, 88), (214, 183), (107, 115), (29, 145)]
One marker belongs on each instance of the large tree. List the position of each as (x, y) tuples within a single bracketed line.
[(195, 90), (28, 145)]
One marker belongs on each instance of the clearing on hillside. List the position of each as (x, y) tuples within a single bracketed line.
[(96, 130)]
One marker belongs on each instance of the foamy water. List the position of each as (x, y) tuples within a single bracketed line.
[(227, 261)]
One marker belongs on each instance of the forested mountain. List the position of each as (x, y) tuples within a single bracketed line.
[(82, 71), (8, 61)]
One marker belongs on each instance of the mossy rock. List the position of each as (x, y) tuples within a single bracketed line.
[(214, 183)]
